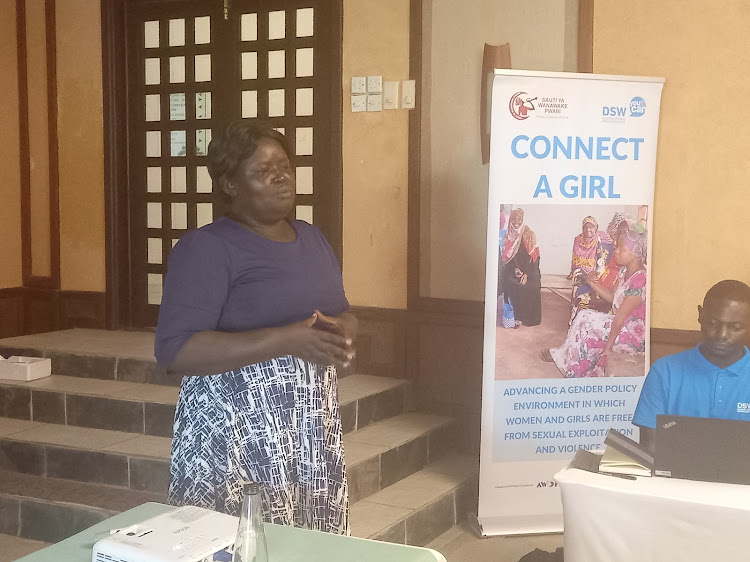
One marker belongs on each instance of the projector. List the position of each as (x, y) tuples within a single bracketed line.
[(186, 534)]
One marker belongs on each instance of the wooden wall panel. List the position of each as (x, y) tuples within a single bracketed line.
[(11, 312), (32, 310), (586, 36), (82, 309), (381, 342), (40, 310)]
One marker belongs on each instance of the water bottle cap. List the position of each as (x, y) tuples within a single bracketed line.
[(250, 488)]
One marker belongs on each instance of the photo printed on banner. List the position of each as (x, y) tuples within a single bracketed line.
[(560, 287)]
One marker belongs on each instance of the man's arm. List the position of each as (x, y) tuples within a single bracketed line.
[(654, 400)]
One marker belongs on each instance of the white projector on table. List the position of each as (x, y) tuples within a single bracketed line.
[(186, 534)]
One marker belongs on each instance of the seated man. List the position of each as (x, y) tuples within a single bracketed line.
[(709, 380)]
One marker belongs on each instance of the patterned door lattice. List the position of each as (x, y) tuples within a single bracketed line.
[(192, 68)]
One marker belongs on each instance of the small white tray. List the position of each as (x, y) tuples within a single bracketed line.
[(17, 368)]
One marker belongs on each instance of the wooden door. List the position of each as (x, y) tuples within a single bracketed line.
[(193, 67)]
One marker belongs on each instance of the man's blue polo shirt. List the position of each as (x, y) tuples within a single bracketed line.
[(688, 384)]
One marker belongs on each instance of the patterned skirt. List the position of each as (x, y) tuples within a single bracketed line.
[(275, 423)]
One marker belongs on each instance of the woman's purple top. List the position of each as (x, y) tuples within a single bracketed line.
[(223, 277)]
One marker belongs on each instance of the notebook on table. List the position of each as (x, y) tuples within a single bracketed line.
[(706, 449), (625, 456)]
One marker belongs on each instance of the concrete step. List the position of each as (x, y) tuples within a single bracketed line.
[(149, 408), (419, 508), (377, 456), (415, 510), (97, 456), (95, 354), (126, 356), (387, 451), (50, 509), (13, 547)]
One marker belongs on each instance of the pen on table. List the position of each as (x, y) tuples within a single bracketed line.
[(625, 476)]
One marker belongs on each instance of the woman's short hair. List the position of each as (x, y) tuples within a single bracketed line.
[(236, 143)]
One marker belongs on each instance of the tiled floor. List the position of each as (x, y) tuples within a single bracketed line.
[(462, 544)]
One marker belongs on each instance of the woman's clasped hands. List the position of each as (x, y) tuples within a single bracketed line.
[(326, 340)]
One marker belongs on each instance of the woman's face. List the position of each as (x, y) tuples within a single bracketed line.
[(516, 220), (623, 255), (263, 187), (589, 230)]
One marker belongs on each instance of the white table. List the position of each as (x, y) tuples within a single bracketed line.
[(653, 519)]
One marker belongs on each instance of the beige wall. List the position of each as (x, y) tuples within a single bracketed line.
[(81, 157), (10, 172), (81, 153), (454, 182), (375, 147), (375, 155), (703, 170)]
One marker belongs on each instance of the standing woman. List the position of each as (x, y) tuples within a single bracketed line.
[(254, 314), (522, 280)]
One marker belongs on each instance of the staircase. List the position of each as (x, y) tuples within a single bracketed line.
[(94, 439)]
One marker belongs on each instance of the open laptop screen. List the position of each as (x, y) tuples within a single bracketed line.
[(707, 449)]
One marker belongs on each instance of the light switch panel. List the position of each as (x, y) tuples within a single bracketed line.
[(374, 84), (374, 102), (408, 94), (359, 103), (390, 95), (359, 85)]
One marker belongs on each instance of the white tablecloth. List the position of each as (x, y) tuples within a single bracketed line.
[(610, 519)]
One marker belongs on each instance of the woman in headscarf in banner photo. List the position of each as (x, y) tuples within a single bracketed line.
[(585, 248), (522, 280), (589, 341), (606, 267), (502, 234)]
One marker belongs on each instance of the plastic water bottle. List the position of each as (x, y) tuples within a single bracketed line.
[(250, 543)]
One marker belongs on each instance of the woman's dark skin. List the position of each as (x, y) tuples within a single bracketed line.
[(261, 196)]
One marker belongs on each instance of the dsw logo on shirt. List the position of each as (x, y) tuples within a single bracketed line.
[(743, 407)]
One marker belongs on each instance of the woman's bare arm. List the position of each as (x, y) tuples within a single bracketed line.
[(629, 304)]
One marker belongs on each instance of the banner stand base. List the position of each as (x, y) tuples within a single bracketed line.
[(541, 524), (472, 521)]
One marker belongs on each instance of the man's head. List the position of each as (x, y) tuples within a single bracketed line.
[(725, 322)]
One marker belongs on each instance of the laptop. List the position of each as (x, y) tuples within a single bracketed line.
[(706, 449)]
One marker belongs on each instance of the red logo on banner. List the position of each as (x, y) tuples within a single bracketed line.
[(520, 105)]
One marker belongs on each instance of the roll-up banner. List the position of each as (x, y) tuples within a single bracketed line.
[(570, 216)]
